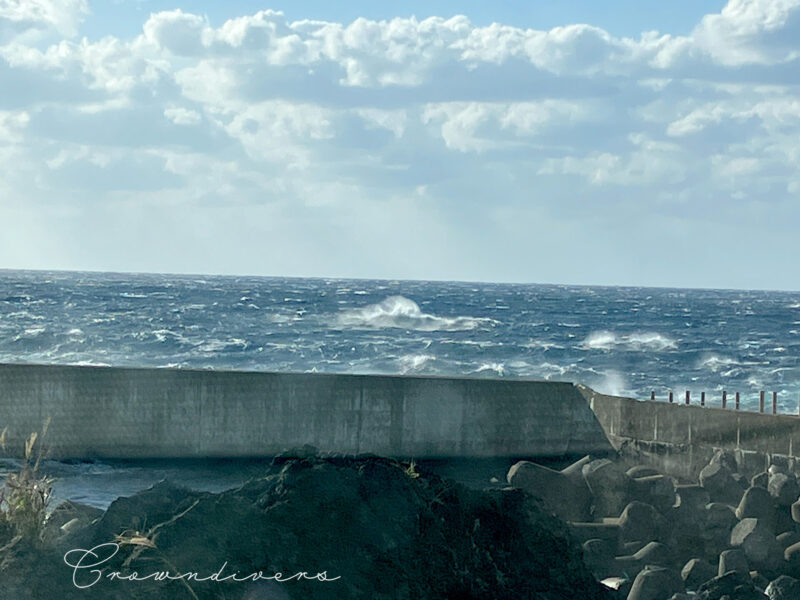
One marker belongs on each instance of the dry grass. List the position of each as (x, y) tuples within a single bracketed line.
[(25, 495)]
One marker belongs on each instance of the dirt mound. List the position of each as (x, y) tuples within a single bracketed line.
[(379, 529)]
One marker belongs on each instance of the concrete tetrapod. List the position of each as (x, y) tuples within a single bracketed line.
[(563, 495), (656, 583), (783, 487), (758, 542), (610, 487)]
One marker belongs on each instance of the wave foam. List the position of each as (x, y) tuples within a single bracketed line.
[(643, 340), (403, 313)]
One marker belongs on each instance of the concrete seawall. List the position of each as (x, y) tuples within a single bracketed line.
[(104, 412), (680, 439)]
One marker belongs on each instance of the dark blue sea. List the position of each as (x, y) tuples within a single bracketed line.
[(618, 340)]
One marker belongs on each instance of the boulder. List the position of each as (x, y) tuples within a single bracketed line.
[(783, 588), (567, 498), (783, 487), (641, 522), (696, 572), (609, 485), (656, 583)]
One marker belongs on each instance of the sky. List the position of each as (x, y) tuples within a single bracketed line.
[(615, 143)]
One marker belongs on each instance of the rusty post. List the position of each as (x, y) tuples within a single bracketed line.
[(761, 401), (774, 403), (686, 401), (702, 398), (724, 398), (670, 397), (653, 395), (737, 400)]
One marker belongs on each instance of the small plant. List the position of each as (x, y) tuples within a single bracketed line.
[(25, 495), (411, 470)]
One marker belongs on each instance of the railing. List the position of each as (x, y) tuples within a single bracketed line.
[(724, 401)]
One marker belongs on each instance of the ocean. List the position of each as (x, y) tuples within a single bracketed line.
[(618, 340)]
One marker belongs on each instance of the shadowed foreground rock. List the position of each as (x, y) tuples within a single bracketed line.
[(387, 532)]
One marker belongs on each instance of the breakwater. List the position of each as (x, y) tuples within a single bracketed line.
[(110, 412)]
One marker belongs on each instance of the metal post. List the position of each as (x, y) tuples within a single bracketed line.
[(761, 401), (774, 403), (687, 397), (670, 396), (653, 395), (702, 398), (725, 398), (737, 400)]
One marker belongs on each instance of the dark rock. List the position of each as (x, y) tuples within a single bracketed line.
[(721, 485), (641, 522), (598, 556), (365, 520), (783, 588), (783, 487), (756, 503), (759, 581), (782, 520), (609, 485), (733, 560), (759, 544), (792, 556), (796, 511), (760, 480), (565, 497), (725, 458), (656, 490), (656, 583), (720, 520), (733, 585), (696, 572), (788, 538)]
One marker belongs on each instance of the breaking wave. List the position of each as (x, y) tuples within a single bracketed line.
[(646, 340), (403, 313)]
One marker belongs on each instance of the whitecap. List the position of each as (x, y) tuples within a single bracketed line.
[(498, 368), (403, 313), (645, 340), (413, 362)]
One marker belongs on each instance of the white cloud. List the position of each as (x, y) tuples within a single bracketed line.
[(62, 15), (457, 122)]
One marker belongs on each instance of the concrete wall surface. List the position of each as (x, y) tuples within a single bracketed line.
[(110, 412), (679, 438)]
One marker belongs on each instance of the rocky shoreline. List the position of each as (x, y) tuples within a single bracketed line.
[(376, 528), (729, 536), (322, 527)]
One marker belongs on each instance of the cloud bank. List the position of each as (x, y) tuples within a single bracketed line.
[(403, 148)]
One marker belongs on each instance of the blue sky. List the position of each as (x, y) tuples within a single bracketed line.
[(613, 143), (124, 18)]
